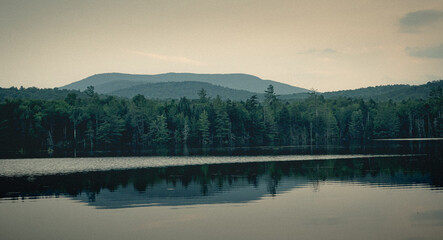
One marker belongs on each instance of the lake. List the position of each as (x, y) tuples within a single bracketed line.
[(390, 190)]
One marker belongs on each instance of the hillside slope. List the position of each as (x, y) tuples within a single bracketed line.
[(176, 90), (380, 93)]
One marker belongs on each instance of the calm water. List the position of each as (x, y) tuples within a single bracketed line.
[(395, 194)]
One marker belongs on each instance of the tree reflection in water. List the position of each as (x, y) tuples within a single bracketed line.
[(224, 182)]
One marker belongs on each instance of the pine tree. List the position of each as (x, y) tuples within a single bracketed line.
[(386, 122), (202, 95), (222, 127), (270, 96), (356, 126), (203, 128), (158, 130)]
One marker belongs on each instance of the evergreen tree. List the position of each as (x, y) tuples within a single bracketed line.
[(270, 96), (111, 125), (356, 126), (158, 130), (110, 131), (185, 132), (203, 128), (332, 130), (222, 127), (202, 95), (386, 122)]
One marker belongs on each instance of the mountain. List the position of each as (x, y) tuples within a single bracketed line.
[(108, 82), (190, 89), (380, 93), (176, 90)]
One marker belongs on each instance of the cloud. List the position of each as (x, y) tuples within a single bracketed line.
[(430, 52), (415, 21), (318, 51), (177, 59), (328, 50)]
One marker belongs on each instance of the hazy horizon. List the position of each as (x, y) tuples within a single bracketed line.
[(327, 46)]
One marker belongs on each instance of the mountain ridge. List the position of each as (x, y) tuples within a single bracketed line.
[(238, 81), (126, 85)]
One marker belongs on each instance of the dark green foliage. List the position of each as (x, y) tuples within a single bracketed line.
[(222, 128), (158, 130), (36, 93), (87, 123), (203, 128), (386, 122), (202, 95), (111, 125), (270, 96), (356, 126)]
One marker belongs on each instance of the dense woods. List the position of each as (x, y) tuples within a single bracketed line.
[(94, 124)]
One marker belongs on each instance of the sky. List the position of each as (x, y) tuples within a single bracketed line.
[(321, 45)]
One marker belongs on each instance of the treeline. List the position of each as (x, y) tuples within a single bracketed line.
[(36, 93), (396, 93), (96, 124)]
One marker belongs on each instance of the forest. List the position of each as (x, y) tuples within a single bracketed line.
[(95, 124)]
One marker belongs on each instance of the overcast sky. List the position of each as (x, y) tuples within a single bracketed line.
[(325, 45)]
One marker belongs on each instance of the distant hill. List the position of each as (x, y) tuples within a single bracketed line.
[(394, 92), (380, 93), (109, 82), (176, 90), (167, 90), (36, 93)]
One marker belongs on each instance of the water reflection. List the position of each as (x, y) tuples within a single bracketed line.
[(385, 146), (223, 183)]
